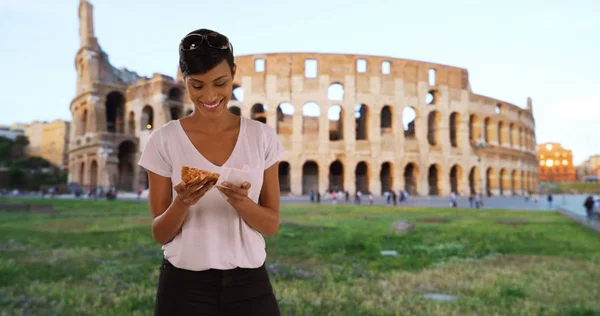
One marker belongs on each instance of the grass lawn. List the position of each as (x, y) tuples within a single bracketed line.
[(98, 258), (572, 187)]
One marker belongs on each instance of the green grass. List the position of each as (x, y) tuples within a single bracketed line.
[(98, 258), (572, 187)]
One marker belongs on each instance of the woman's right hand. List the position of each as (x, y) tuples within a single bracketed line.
[(189, 196)]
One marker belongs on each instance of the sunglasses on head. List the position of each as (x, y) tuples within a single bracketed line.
[(214, 40)]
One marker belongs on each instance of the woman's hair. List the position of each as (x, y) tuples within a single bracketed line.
[(204, 58)]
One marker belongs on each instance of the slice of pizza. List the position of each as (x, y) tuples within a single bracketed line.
[(191, 176)]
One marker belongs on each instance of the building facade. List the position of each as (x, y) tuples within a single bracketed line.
[(34, 133), (589, 168), (49, 140), (556, 163), (13, 131), (350, 122)]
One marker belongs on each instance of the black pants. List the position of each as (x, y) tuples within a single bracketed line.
[(214, 292)]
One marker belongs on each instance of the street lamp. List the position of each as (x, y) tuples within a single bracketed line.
[(479, 146)]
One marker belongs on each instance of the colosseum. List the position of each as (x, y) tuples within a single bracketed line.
[(349, 122)]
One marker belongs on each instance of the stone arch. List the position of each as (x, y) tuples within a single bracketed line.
[(520, 137), (489, 130), (433, 127), (433, 179), (409, 119), (147, 120), (84, 122), (432, 97), (490, 180), (310, 118), (511, 135), (175, 94), (285, 115), (411, 178), (93, 175), (258, 113), (81, 176), (503, 181), (284, 177), (386, 176), (126, 154), (335, 116), (474, 180), (455, 176), (387, 119), (144, 181), (523, 186), (336, 176), (131, 124), (501, 133), (361, 174), (361, 115), (514, 182), (115, 112), (237, 93), (176, 112), (335, 92), (474, 128), (235, 110), (310, 177), (454, 124)]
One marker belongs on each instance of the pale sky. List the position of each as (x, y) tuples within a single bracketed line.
[(513, 49)]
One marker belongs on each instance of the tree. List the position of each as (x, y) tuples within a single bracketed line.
[(17, 178), (22, 141), (17, 150), (30, 163), (5, 145)]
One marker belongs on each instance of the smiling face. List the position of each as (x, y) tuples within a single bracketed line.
[(210, 92)]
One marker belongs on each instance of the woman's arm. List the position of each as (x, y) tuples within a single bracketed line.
[(167, 216), (264, 217)]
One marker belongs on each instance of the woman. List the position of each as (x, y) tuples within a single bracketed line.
[(214, 252)]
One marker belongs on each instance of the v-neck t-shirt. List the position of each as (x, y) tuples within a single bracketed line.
[(213, 234)]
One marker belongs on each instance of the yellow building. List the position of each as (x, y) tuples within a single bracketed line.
[(34, 132), (49, 141), (556, 163), (591, 166)]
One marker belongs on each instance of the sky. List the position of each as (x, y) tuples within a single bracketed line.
[(513, 49)]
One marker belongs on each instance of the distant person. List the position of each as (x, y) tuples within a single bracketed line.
[(478, 201), (453, 202), (212, 235), (550, 199), (318, 197), (371, 198), (590, 209)]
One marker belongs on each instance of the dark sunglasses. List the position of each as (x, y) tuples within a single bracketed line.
[(214, 40)]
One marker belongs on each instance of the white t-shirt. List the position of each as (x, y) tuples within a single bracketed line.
[(213, 235)]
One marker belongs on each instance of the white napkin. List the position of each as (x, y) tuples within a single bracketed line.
[(234, 176)]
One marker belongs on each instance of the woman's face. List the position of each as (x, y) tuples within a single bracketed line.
[(210, 92)]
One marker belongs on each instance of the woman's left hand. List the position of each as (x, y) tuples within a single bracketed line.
[(235, 195)]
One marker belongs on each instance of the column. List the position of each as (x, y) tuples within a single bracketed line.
[(323, 129), (295, 176)]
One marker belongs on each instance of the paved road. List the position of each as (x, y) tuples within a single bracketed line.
[(572, 203)]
